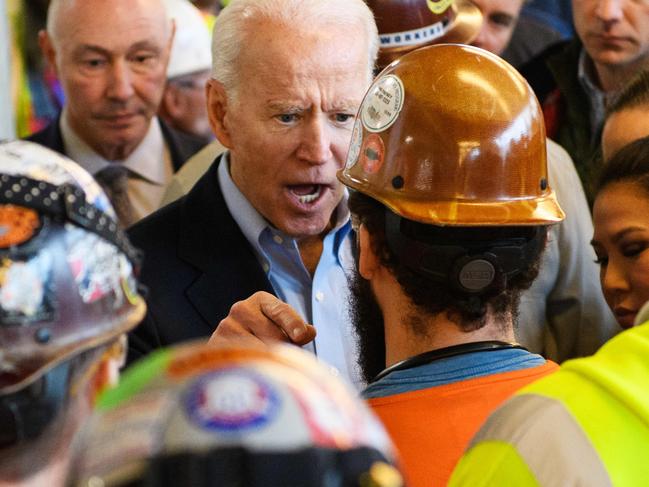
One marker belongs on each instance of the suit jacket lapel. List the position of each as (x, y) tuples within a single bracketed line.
[(211, 241)]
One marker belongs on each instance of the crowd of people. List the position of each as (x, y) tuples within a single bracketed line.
[(232, 189)]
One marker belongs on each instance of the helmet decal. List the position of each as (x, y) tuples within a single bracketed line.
[(96, 266), (372, 153), (439, 6), (231, 401), (17, 225), (355, 144), (25, 293), (414, 37), (382, 104)]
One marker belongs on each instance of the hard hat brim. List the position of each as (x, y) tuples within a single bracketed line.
[(543, 210)]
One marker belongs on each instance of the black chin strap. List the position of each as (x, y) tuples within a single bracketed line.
[(441, 353)]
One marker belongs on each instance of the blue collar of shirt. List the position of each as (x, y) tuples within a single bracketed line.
[(452, 369), (254, 226)]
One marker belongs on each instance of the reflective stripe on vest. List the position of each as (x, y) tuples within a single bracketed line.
[(588, 424)]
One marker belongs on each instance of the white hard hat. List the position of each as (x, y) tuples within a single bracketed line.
[(246, 416), (192, 42)]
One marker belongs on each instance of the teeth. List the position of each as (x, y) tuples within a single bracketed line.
[(308, 198)]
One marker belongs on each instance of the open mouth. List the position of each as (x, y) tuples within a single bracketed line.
[(306, 193)]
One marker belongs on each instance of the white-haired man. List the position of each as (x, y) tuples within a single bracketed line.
[(269, 215)]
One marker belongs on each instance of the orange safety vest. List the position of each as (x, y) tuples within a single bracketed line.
[(432, 427)]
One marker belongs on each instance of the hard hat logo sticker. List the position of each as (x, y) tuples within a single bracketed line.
[(25, 289), (231, 400), (355, 145), (438, 6), (97, 266), (372, 154), (382, 104)]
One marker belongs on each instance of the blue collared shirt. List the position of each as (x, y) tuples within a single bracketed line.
[(321, 300), (452, 369)]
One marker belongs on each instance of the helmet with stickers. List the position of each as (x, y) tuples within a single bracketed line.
[(453, 135), (199, 415), (66, 280), (405, 25)]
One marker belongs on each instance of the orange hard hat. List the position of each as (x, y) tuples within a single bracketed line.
[(453, 135), (405, 25)]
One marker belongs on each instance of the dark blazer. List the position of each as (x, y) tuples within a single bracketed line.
[(181, 146), (197, 264)]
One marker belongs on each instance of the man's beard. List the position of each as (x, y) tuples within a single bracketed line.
[(367, 319)]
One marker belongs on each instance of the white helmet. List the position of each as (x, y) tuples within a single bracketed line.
[(201, 415), (191, 49)]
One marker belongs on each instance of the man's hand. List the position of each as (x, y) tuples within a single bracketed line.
[(262, 318)]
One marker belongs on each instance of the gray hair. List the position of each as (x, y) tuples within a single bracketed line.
[(231, 26)]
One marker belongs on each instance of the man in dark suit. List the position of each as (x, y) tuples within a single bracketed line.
[(269, 215), (111, 58)]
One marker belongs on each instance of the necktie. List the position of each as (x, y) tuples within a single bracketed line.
[(114, 180)]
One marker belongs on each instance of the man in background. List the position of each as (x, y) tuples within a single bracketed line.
[(184, 104), (575, 80), (111, 58)]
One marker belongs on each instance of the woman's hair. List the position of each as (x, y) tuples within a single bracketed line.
[(634, 94), (629, 164)]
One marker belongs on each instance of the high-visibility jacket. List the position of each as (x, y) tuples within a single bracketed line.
[(431, 427), (586, 425)]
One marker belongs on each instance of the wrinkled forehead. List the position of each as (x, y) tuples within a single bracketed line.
[(334, 50), (111, 25)]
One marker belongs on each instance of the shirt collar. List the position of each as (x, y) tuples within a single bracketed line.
[(598, 98), (251, 222), (143, 161)]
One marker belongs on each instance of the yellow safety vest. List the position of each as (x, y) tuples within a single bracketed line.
[(586, 425)]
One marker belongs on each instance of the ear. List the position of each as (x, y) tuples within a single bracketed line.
[(170, 43), (217, 111), (368, 262), (47, 48), (171, 102)]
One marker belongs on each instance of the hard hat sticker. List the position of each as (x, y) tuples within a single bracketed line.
[(98, 267), (355, 145), (415, 36), (372, 154), (231, 401), (438, 6), (17, 225), (25, 289), (382, 104)]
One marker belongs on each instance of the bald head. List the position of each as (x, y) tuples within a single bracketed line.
[(63, 14)]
